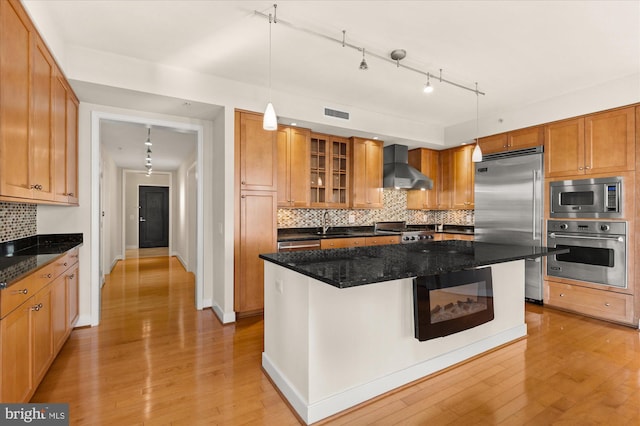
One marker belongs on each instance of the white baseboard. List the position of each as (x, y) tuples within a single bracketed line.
[(83, 321), (312, 413), (131, 247), (181, 260), (224, 317), (115, 261)]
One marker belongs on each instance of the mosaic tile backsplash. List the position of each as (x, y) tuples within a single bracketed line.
[(17, 220), (395, 208)]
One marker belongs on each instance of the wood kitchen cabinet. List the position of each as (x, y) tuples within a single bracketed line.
[(518, 139), (31, 138), (65, 142), (258, 234), (457, 178), (294, 145), (35, 321), (332, 243), (426, 161), (256, 153), (366, 173), (330, 162), (596, 143)]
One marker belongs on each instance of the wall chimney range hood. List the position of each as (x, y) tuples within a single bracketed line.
[(398, 173)]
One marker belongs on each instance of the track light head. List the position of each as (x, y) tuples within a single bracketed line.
[(363, 63)]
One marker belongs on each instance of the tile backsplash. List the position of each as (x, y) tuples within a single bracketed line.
[(395, 208), (17, 220)]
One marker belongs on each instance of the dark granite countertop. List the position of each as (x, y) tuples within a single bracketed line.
[(20, 258), (304, 234), (350, 267)]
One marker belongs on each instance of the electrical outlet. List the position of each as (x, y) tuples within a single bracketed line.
[(424, 217), (352, 218), (279, 286)]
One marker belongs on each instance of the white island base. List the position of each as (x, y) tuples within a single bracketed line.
[(328, 349)]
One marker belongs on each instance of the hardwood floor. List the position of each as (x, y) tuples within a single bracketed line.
[(156, 360), (146, 252)]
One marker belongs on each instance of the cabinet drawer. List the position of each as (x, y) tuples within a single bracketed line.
[(332, 243), (597, 303), (64, 263), (16, 294), (380, 241)]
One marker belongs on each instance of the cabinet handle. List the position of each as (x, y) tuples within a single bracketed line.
[(72, 276), (587, 167), (23, 291), (607, 304), (70, 194), (37, 187), (243, 183), (579, 168), (243, 196), (64, 264), (47, 276), (561, 294), (74, 255), (36, 307)]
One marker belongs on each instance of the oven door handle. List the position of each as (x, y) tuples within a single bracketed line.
[(582, 237)]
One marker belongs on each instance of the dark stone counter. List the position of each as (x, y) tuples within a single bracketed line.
[(349, 267), (21, 257), (303, 234)]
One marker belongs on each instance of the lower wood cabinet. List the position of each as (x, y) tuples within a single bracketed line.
[(601, 304), (331, 243), (445, 237), (380, 241), (36, 318)]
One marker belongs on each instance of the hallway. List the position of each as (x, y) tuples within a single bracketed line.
[(155, 360)]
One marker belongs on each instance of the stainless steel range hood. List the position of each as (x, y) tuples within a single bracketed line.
[(398, 173)]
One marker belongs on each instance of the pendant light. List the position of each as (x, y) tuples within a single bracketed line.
[(476, 157), (148, 144), (270, 120), (363, 63)]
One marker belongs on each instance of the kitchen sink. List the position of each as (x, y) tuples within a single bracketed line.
[(334, 234)]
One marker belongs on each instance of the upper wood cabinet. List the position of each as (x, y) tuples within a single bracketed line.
[(293, 167), (256, 153), (518, 139), (72, 148), (596, 143), (65, 142), (425, 160), (30, 108), (457, 178), (366, 173), (330, 165)]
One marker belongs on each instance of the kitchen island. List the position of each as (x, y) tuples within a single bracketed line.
[(339, 324)]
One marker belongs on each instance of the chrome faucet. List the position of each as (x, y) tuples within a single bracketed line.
[(325, 219)]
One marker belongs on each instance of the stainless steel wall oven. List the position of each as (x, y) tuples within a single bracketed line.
[(597, 251)]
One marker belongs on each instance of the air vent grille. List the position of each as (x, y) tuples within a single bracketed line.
[(335, 113), (509, 154)]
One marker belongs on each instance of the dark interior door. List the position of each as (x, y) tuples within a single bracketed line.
[(153, 217)]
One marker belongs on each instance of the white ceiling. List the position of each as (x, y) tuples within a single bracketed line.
[(520, 52)]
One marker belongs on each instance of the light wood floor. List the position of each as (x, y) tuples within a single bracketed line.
[(155, 360), (146, 252)]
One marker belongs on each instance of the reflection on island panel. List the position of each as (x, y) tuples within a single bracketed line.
[(454, 302)]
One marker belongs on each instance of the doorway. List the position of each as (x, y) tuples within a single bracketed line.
[(153, 216)]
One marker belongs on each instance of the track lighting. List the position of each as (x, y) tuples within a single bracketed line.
[(428, 88), (270, 119), (476, 156), (148, 141), (148, 145), (363, 63)]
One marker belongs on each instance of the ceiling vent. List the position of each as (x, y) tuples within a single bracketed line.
[(328, 112)]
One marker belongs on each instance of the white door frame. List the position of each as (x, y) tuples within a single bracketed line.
[(96, 117)]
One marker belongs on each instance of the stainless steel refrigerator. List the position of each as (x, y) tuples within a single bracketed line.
[(508, 206)]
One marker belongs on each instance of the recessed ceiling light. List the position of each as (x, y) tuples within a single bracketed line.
[(375, 138), (294, 124)]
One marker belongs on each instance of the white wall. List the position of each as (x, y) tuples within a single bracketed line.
[(182, 236), (132, 181), (112, 208)]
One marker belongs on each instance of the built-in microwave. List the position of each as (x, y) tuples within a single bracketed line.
[(592, 198)]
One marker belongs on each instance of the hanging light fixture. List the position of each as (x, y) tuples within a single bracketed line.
[(476, 157), (363, 63), (428, 88), (148, 144), (148, 141), (270, 120)]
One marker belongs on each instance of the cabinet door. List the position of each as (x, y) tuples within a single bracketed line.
[(41, 141), (72, 279), (425, 160), (16, 50), (564, 148), (284, 167), (525, 138), (610, 141), (59, 101), (299, 162), (462, 178), (258, 234), (366, 172), (445, 163), (494, 143), (59, 317), (339, 172), (15, 353), (319, 169), (41, 333), (72, 148), (256, 150)]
